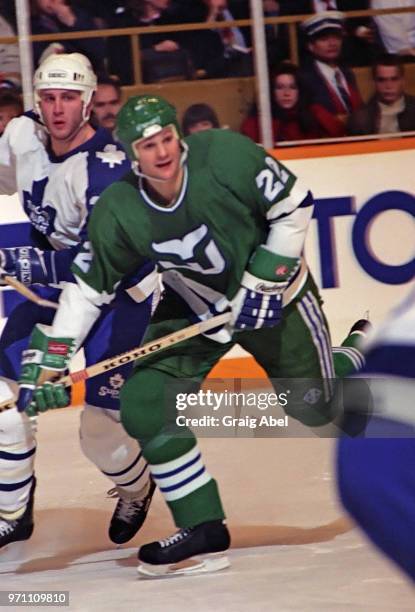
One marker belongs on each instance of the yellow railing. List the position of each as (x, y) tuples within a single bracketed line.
[(134, 33)]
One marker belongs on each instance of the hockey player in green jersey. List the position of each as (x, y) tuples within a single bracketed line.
[(225, 222)]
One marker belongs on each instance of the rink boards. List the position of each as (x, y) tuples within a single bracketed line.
[(361, 243)]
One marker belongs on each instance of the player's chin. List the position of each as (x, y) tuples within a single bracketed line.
[(60, 132), (167, 171), (108, 125)]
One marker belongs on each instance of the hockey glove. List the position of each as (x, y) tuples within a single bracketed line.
[(44, 361), (259, 301), (26, 264)]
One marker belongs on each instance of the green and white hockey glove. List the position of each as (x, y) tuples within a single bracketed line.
[(258, 302), (44, 361)]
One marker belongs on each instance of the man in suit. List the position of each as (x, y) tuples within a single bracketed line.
[(390, 109), (359, 47), (331, 86)]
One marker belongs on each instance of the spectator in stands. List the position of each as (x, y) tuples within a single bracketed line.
[(163, 56), (330, 84), (232, 38), (276, 47), (276, 35), (10, 106), (219, 52), (199, 117), (107, 102), (390, 109), (359, 47), (293, 118), (156, 12), (104, 11), (58, 16), (397, 31), (9, 57)]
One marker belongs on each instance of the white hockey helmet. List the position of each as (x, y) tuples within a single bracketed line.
[(66, 71)]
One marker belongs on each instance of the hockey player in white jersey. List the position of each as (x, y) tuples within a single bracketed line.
[(376, 475), (59, 165)]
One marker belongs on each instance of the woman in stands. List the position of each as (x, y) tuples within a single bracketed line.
[(293, 118)]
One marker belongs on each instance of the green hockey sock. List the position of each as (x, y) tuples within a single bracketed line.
[(180, 474), (348, 358), (202, 505)]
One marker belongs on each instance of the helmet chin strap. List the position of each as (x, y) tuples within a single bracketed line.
[(136, 166), (136, 169)]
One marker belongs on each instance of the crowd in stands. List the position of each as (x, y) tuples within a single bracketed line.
[(319, 98)]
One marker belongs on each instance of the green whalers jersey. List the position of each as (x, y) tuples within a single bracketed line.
[(232, 191)]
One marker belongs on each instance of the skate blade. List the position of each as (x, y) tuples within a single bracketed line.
[(15, 551), (190, 567)]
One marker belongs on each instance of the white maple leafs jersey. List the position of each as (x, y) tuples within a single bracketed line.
[(392, 347), (57, 192), (390, 364)]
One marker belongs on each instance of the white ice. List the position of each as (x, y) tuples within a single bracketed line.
[(292, 547)]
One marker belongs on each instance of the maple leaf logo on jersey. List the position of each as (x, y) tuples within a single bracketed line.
[(111, 156), (116, 381), (41, 216)]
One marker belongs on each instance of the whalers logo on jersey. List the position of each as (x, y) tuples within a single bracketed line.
[(191, 247)]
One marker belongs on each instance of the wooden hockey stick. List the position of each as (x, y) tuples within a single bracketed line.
[(136, 353), (27, 293)]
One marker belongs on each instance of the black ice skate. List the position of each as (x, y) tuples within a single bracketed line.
[(21, 528), (362, 325), (129, 516), (190, 551)]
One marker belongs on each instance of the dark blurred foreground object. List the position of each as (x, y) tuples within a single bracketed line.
[(376, 478)]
